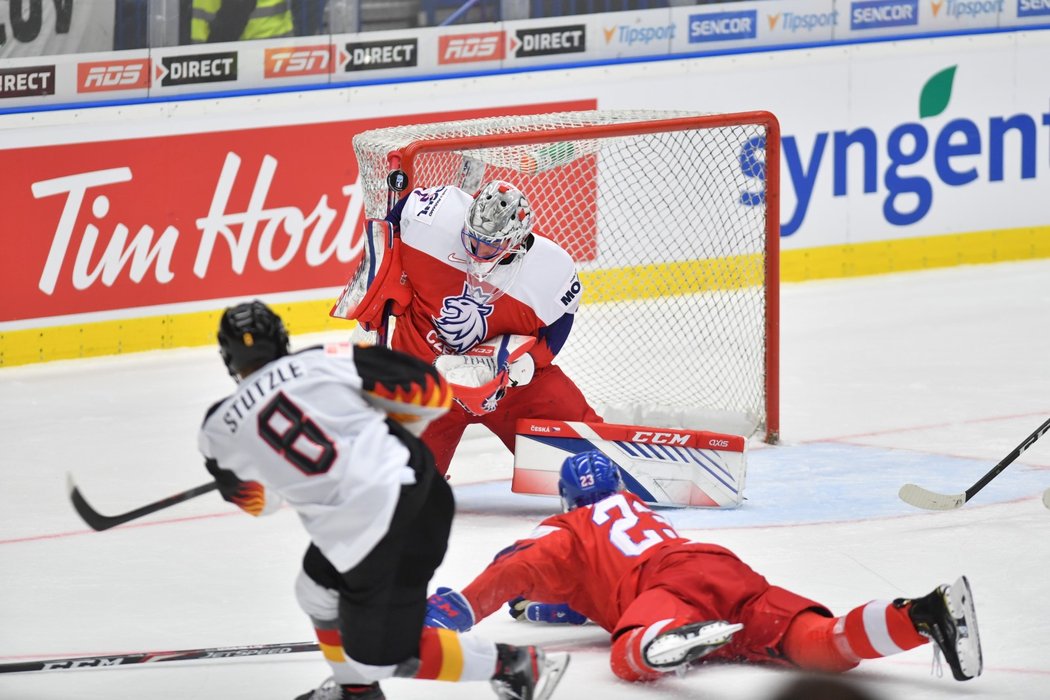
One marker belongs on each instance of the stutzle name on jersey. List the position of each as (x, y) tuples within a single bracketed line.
[(265, 383)]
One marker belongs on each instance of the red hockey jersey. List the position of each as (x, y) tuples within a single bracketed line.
[(592, 558)]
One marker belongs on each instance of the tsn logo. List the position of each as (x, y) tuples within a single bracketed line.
[(467, 48), (113, 75), (301, 60)]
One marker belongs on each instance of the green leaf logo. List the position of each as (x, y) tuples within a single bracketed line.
[(936, 93)]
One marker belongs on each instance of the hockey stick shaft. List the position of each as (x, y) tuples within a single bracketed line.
[(923, 498), (149, 657), (1008, 459), (99, 522)]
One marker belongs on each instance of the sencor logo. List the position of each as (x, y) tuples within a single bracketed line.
[(879, 14), (723, 26), (113, 75), (468, 48), (298, 61), (1033, 8)]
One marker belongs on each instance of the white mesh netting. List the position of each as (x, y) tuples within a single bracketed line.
[(668, 228)]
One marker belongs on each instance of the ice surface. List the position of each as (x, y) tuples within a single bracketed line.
[(928, 377)]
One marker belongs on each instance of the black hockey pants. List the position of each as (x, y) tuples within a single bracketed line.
[(382, 600)]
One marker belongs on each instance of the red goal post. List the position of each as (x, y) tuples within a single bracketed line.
[(673, 220)]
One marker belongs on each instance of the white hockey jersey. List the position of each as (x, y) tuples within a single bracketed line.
[(450, 315), (301, 427)]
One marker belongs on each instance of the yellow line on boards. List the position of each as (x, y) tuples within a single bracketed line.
[(19, 347)]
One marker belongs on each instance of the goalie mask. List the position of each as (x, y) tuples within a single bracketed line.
[(497, 223), (250, 335), (587, 478)]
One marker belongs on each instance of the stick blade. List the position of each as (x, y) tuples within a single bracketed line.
[(929, 500), (95, 520)]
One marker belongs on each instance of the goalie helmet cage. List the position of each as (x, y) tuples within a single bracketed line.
[(673, 220)]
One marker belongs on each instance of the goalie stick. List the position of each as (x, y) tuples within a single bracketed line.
[(930, 500), (149, 657), (98, 522)]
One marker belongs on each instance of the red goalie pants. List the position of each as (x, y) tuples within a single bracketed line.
[(702, 582), (551, 395)]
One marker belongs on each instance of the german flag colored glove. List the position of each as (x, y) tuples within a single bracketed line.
[(249, 496)]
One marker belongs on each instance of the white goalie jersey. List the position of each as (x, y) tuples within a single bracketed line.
[(305, 428)]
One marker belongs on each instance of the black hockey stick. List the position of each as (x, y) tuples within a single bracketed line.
[(97, 521), (149, 657), (922, 498)]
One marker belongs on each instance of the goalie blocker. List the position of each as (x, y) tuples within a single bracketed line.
[(662, 466)]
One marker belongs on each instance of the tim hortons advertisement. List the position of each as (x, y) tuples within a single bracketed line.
[(105, 226)]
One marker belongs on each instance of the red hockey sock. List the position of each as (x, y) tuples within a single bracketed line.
[(440, 655), (819, 643)]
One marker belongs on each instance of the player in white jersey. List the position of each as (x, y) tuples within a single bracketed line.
[(486, 299), (332, 432)]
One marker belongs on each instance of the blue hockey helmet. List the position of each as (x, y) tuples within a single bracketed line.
[(586, 478)]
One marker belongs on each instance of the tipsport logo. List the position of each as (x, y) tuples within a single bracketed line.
[(630, 34), (915, 158), (793, 22), (962, 9), (883, 14)]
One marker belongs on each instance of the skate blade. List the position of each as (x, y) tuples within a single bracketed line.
[(554, 665), (671, 650), (968, 646)]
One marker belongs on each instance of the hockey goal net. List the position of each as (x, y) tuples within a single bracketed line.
[(673, 221)]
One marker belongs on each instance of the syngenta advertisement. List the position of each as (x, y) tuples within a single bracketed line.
[(918, 146)]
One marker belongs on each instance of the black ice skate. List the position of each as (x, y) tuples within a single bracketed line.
[(330, 690), (683, 645), (526, 673), (947, 617)]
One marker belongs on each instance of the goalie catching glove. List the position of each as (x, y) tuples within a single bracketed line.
[(480, 377), (552, 613), (449, 610)]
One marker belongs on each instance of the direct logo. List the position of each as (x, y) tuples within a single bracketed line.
[(471, 48), (1033, 8), (196, 69), (28, 81), (373, 55), (549, 41), (723, 26), (113, 75), (881, 14), (462, 323), (291, 62)]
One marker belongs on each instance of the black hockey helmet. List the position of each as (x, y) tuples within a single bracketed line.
[(250, 335)]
